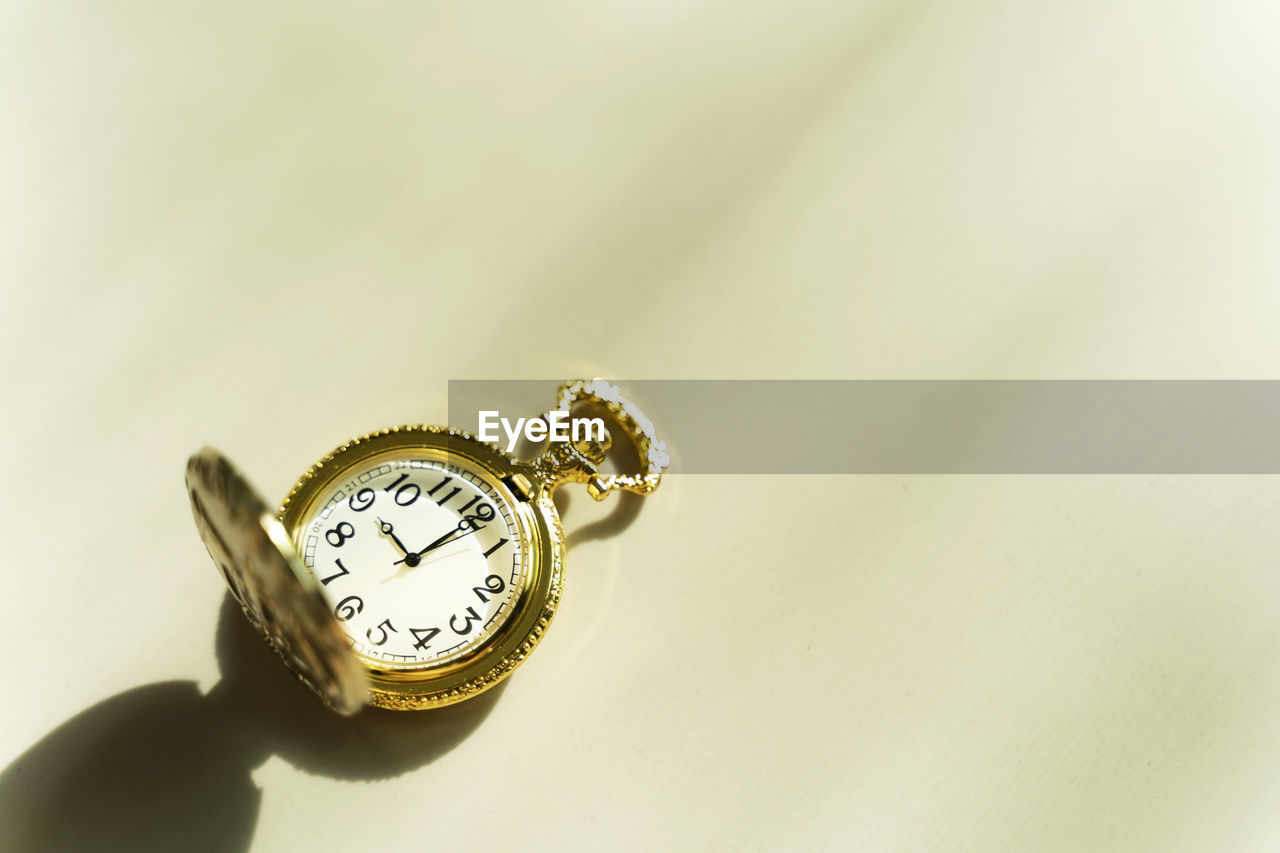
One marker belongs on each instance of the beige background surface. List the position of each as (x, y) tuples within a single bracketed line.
[(272, 226)]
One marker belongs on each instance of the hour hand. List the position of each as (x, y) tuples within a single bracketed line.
[(385, 528)]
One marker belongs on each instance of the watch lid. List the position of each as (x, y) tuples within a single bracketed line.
[(274, 589)]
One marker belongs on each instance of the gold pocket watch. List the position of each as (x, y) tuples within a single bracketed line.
[(416, 566)]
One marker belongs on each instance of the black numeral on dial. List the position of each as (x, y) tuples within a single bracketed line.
[(348, 608), (336, 536), (361, 500), (408, 493), (501, 542), (423, 636), (492, 584), (466, 628), (342, 570), (382, 628)]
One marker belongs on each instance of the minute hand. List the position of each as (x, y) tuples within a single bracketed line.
[(452, 535)]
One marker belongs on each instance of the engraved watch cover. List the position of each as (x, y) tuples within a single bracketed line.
[(275, 591)]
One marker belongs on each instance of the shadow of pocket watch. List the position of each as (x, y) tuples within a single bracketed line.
[(414, 567)]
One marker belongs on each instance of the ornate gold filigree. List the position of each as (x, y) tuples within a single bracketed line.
[(578, 462)]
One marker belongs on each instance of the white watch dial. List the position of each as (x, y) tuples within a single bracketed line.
[(420, 559)]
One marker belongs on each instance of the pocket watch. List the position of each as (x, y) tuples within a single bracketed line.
[(416, 566)]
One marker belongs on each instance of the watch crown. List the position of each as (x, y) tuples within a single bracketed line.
[(579, 461)]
